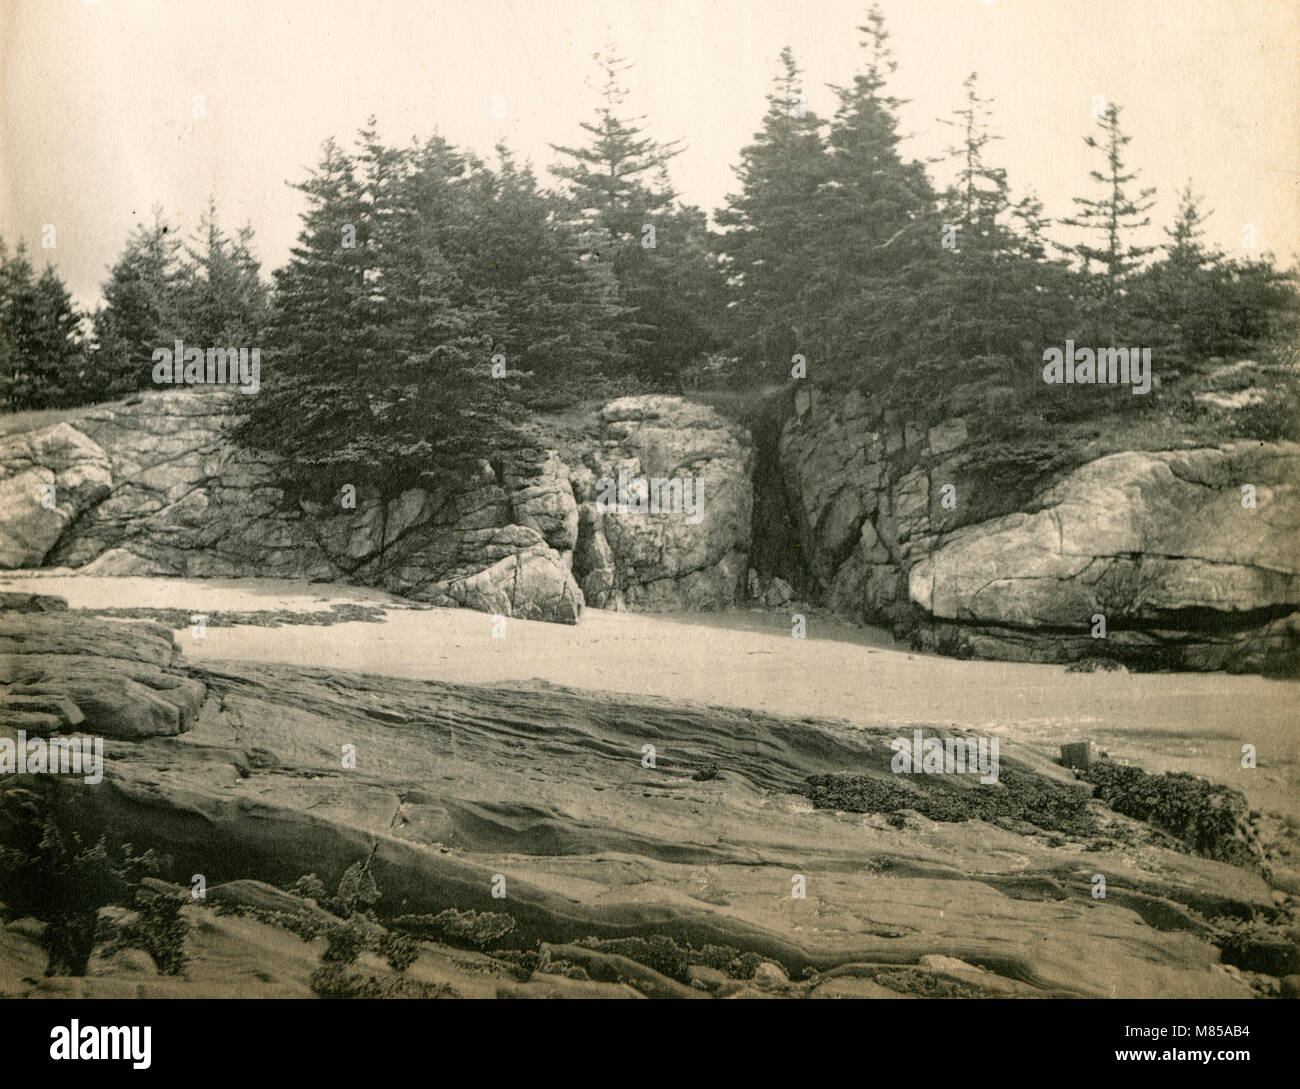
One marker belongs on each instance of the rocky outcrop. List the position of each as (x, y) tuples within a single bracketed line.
[(447, 801), (693, 556), (47, 479), (1192, 557), (155, 488), (1159, 547), (61, 672)]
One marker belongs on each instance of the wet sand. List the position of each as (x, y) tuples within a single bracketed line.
[(1181, 722)]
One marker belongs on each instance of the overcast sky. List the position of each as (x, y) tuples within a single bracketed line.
[(99, 98)]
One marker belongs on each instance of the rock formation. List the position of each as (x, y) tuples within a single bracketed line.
[(235, 773), (155, 488), (1192, 557), (665, 560)]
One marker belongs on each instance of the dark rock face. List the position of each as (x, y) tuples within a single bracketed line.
[(1191, 557)]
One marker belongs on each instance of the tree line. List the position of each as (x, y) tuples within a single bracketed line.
[(433, 300), (206, 290)]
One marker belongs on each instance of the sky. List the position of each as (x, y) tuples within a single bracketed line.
[(98, 99)]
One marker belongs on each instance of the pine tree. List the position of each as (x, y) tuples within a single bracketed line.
[(978, 202), (224, 298), (773, 246), (382, 341), (616, 182), (992, 291), (558, 314), (17, 316), (876, 223), (620, 201), (42, 354), (143, 310), (1114, 214), (57, 352), (1185, 249), (435, 409), (1195, 304)]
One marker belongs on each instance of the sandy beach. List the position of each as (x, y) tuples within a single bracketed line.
[(748, 659)]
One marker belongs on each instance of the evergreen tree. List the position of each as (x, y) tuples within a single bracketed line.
[(224, 298), (42, 354), (616, 181), (992, 291), (143, 310), (876, 223), (978, 202), (1195, 304), (773, 246), (1114, 214), (620, 201), (558, 314), (382, 342)]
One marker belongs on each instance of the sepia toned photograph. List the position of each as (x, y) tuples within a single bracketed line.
[(619, 499)]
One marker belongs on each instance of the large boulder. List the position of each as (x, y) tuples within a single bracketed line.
[(110, 678), (693, 555), (47, 479), (1145, 540), (1189, 569)]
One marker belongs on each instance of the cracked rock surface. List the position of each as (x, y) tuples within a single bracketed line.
[(1166, 545), (154, 488), (454, 784), (667, 560)]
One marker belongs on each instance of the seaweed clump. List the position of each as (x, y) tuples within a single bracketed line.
[(1210, 819)]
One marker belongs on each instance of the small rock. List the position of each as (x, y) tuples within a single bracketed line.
[(710, 979), (778, 594), (1290, 986), (768, 972)]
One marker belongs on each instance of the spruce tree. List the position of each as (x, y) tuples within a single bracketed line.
[(978, 202), (143, 310), (876, 225), (1114, 214), (558, 315), (225, 300), (619, 199), (772, 246), (992, 291), (42, 352), (382, 342)]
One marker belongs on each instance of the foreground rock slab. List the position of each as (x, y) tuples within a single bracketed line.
[(449, 792)]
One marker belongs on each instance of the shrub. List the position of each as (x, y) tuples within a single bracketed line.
[(1210, 819), (399, 950), (357, 890), (309, 887), (159, 930)]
